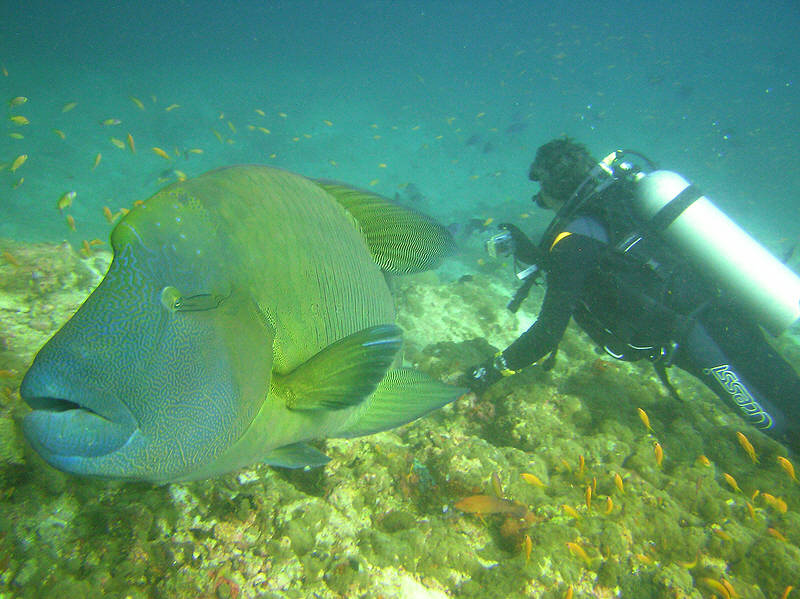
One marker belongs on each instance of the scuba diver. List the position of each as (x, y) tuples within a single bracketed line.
[(651, 269)]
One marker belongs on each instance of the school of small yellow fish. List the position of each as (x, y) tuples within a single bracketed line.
[(582, 495)]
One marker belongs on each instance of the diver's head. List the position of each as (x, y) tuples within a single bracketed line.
[(560, 166)]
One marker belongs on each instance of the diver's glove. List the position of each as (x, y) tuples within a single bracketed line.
[(481, 377)]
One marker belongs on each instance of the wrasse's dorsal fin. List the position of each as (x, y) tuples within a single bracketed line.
[(400, 240)]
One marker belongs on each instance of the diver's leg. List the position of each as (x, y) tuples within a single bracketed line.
[(702, 356), (743, 341)]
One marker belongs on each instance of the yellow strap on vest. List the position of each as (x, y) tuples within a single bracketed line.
[(558, 238)]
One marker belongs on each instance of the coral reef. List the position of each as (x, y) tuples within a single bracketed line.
[(395, 514)]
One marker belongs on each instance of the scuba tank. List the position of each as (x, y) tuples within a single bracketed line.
[(690, 222)]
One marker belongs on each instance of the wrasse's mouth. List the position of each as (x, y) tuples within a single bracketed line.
[(52, 404), (62, 427)]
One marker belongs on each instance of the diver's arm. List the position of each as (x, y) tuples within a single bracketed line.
[(573, 258)]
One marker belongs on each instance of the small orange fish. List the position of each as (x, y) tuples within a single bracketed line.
[(731, 482), (172, 107), (18, 183), (231, 127), (68, 106), (747, 446), (71, 222), (60, 133), (497, 486), (659, 453), (86, 249), (716, 586), (618, 482), (581, 465), (689, 565), (488, 221), (775, 502), (15, 135), (161, 153), (751, 510), (264, 130), (570, 511), (97, 160), (787, 466), (65, 201), (786, 591), (138, 102), (487, 504), (108, 215), (110, 122), (645, 419), (609, 506), (118, 143), (19, 120), (580, 552), (588, 496), (260, 112), (532, 479), (18, 162), (703, 461), (17, 101), (131, 144), (777, 534), (194, 151), (95, 241), (9, 257), (722, 534), (729, 586), (528, 546), (568, 594)]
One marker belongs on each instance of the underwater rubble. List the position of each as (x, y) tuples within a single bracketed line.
[(587, 480)]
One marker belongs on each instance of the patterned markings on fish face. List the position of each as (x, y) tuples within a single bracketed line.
[(170, 339)]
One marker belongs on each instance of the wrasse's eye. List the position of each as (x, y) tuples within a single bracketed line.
[(174, 301), (194, 303)]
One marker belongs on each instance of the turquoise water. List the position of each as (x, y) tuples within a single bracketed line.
[(707, 90), (442, 105)]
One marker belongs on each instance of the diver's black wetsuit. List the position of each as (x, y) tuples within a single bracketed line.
[(718, 344)]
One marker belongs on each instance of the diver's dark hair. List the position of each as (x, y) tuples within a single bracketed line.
[(560, 166)]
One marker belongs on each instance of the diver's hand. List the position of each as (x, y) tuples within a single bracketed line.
[(524, 248), (481, 377), (516, 233)]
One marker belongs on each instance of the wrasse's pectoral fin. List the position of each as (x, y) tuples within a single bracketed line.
[(344, 373)]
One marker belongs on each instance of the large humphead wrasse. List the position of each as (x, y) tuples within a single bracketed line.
[(245, 313)]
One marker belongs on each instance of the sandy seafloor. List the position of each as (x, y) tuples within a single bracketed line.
[(442, 108)]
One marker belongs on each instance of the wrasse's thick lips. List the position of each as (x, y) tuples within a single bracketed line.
[(61, 427)]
